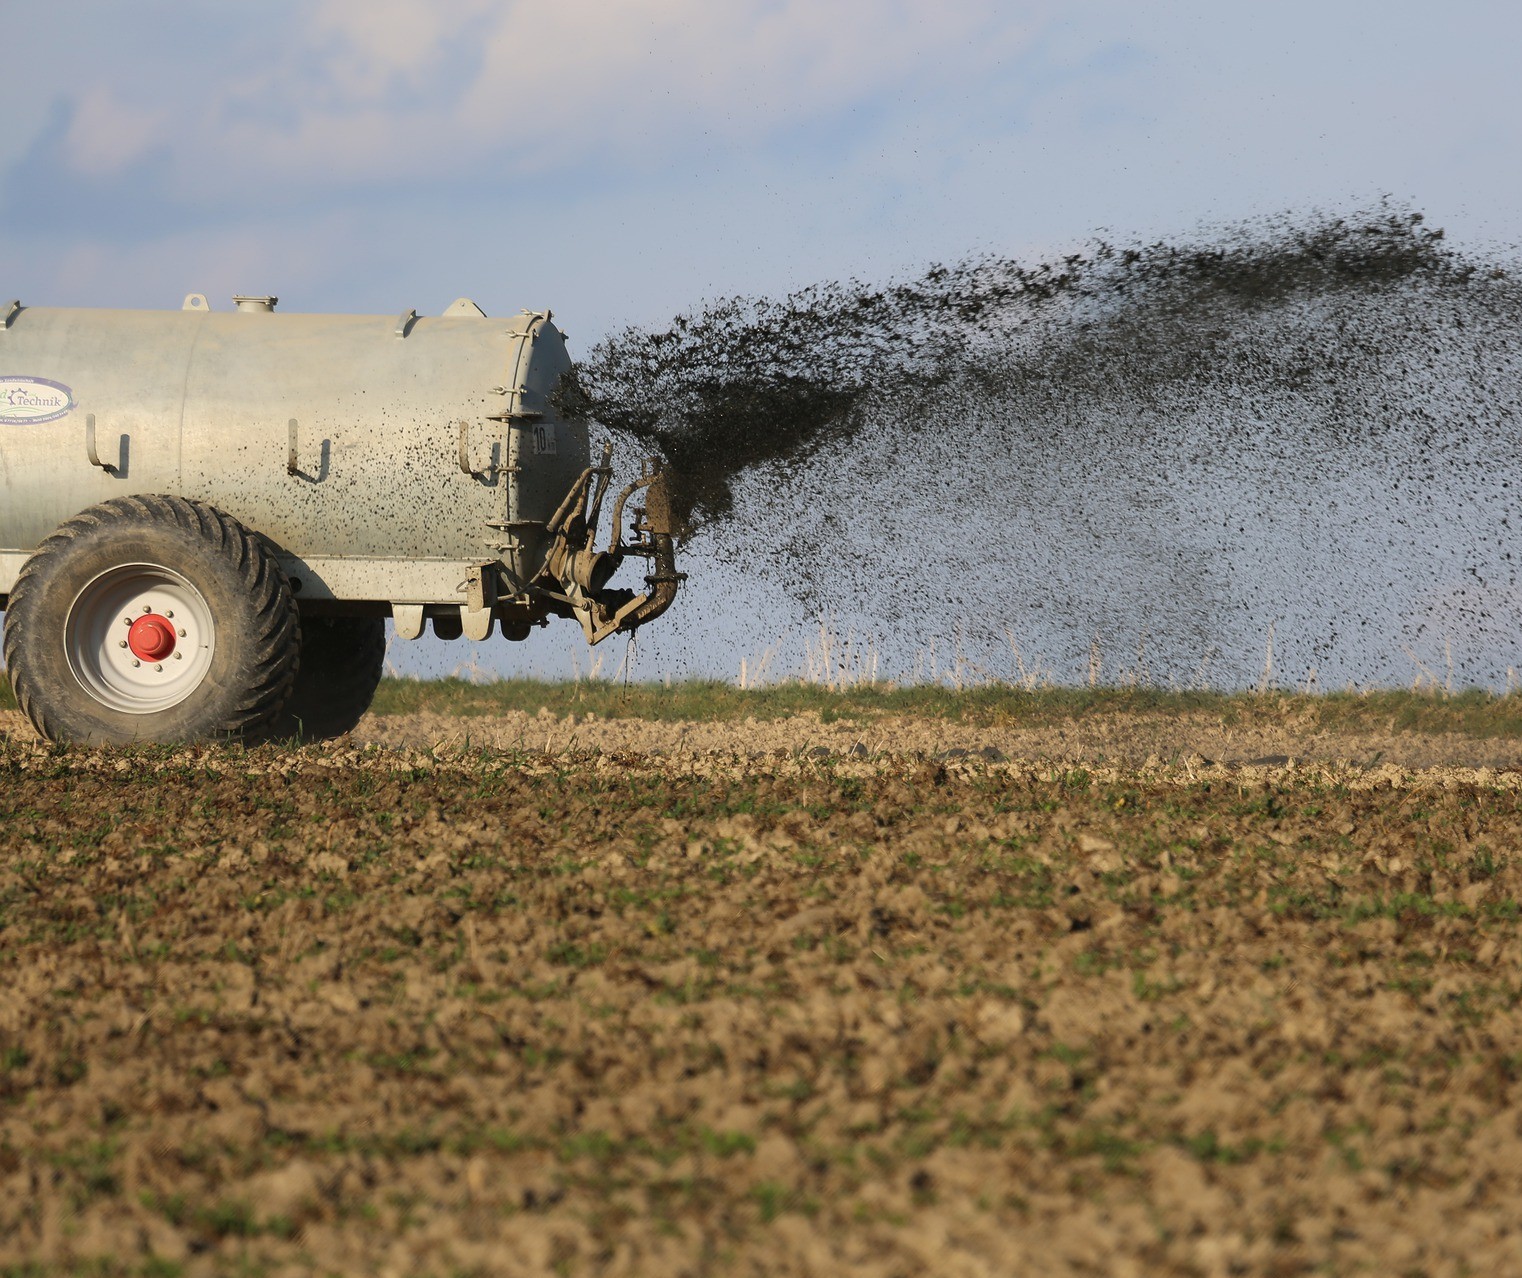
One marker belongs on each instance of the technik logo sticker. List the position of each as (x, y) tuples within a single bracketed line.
[(26, 400)]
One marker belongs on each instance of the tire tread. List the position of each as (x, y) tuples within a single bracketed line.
[(270, 667)]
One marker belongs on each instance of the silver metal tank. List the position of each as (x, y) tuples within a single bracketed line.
[(202, 404), (410, 466)]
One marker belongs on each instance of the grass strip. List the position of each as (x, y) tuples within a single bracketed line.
[(1472, 713)]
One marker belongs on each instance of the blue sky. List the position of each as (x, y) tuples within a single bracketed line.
[(622, 161)]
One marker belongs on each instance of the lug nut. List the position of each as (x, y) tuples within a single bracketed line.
[(169, 612), (179, 656), (136, 662), (121, 643), (182, 632), (158, 667), (147, 608)]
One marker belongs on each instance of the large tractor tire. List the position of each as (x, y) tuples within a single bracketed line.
[(151, 619), (342, 660)]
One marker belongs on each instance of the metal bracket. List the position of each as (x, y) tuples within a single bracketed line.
[(479, 608), (405, 321), (408, 619), (480, 588), (10, 311), (490, 472), (90, 449), (477, 625)]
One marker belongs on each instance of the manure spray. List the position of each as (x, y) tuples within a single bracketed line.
[(1282, 452)]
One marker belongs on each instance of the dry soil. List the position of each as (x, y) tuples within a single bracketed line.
[(624, 998)]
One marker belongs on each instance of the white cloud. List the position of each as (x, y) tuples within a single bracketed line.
[(375, 47), (108, 133), (638, 71), (380, 90)]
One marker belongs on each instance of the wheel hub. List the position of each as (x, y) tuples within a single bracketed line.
[(151, 638), (140, 638)]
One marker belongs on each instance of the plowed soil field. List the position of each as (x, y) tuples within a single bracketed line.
[(725, 1001)]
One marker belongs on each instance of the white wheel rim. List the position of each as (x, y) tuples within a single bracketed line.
[(139, 638)]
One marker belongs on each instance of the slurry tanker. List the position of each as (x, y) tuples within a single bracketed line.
[(206, 517)]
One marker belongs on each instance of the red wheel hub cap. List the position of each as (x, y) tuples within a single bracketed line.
[(151, 637)]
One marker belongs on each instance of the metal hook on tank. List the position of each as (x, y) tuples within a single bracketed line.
[(90, 449)]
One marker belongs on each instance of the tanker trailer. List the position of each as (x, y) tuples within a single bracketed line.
[(207, 516)]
